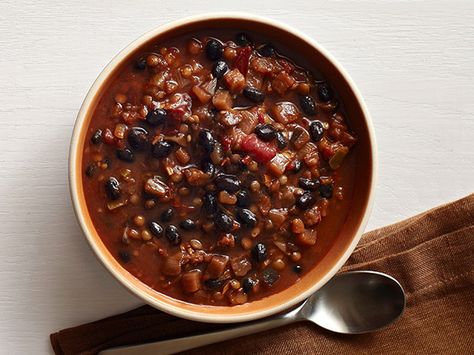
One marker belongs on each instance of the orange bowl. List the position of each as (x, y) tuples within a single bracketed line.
[(340, 247)]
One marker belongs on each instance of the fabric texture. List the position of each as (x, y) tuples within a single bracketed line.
[(431, 254)]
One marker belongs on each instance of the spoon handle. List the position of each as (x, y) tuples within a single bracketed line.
[(186, 343)]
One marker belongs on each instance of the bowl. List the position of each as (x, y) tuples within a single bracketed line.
[(350, 231)]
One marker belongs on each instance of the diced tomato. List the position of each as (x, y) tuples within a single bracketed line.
[(109, 137), (261, 151), (261, 117), (226, 143), (241, 62), (291, 166)]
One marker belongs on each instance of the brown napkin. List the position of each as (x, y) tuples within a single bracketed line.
[(431, 254)]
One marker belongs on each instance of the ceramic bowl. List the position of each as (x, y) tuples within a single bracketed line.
[(365, 153)]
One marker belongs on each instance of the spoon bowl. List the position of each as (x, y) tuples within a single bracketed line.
[(356, 302)]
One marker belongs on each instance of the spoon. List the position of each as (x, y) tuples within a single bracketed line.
[(355, 302)]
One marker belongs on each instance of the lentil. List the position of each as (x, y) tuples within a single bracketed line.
[(146, 236), (139, 221), (279, 265)]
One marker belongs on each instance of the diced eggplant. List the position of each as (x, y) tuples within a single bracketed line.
[(338, 157), (285, 112), (191, 281), (171, 265), (278, 216), (282, 82), (249, 121), (203, 96), (270, 277), (299, 137), (234, 80), (307, 238), (279, 163), (216, 266), (230, 118), (240, 266), (222, 100)]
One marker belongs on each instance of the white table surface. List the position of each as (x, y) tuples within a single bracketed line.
[(412, 61)]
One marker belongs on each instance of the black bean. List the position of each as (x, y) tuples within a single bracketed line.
[(253, 94), (242, 39), (316, 130), (125, 154), (267, 50), (156, 117), (325, 191), (282, 142), (172, 234), (140, 63), (208, 168), (97, 137), (209, 204), (248, 284), (138, 138), (214, 284), (161, 149), (206, 140), (269, 277), (112, 188), (224, 222), (297, 269), (243, 198), (124, 256), (156, 229), (167, 215), (266, 132), (308, 184), (227, 182), (187, 224), (246, 217), (308, 105), (214, 49), (259, 252), (90, 170), (325, 92), (306, 201), (219, 69)]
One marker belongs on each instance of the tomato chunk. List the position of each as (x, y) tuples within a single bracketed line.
[(260, 150), (241, 62)]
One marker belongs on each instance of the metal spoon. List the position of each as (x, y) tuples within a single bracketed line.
[(351, 303)]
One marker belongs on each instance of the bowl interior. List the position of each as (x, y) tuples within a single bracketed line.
[(307, 54)]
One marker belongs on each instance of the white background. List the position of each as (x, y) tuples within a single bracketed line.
[(413, 62)]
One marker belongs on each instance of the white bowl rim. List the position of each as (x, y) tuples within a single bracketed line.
[(73, 154)]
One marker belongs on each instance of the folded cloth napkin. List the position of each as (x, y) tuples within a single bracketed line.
[(432, 255)]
